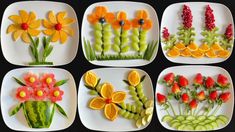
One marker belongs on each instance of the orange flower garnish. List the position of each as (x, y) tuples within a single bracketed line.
[(142, 20), (101, 15), (122, 21)]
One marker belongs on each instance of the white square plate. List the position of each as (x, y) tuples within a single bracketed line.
[(95, 119), (189, 72), (17, 52), (172, 20), (18, 122), (115, 6)]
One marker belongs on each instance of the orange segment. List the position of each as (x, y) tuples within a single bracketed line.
[(216, 47), (118, 97), (97, 103), (211, 54), (134, 78), (204, 47), (107, 90), (192, 46), (174, 52), (111, 111), (197, 54), (180, 46), (186, 53), (223, 53), (91, 79)]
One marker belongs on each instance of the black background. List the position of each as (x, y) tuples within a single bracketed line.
[(80, 65)]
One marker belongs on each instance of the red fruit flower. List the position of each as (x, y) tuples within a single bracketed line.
[(55, 94), (161, 98), (222, 80), (198, 80), (31, 80), (209, 18), (187, 17), (39, 93), (209, 82), (229, 32), (185, 98), (165, 33), (193, 104), (48, 80), (225, 96), (201, 95), (23, 93), (183, 82), (213, 95), (169, 78), (175, 88)]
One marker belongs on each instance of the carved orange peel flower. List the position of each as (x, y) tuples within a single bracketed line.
[(122, 21), (142, 20)]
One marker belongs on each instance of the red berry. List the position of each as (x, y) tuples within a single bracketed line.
[(185, 98), (213, 95), (58, 26), (201, 95), (198, 80), (165, 33), (229, 32), (175, 88), (193, 104), (183, 82), (225, 96), (222, 80), (187, 17), (169, 78), (210, 82), (108, 101), (161, 98), (209, 18), (24, 26)]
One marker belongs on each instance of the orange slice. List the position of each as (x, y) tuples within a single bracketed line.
[(197, 54), (192, 46), (111, 111), (174, 52), (211, 54), (216, 47), (134, 78), (107, 90), (223, 53), (180, 46), (91, 79), (97, 103), (204, 47), (118, 97), (186, 53)]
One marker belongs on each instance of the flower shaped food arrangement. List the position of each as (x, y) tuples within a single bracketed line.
[(38, 97)]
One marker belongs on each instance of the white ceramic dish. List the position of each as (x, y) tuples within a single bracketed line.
[(115, 6), (18, 122), (189, 72), (17, 52), (172, 20), (94, 119)]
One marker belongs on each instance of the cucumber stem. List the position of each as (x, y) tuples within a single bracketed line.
[(120, 45), (179, 108), (167, 112), (102, 38), (216, 109), (191, 112), (140, 30), (41, 63), (194, 111), (171, 108)]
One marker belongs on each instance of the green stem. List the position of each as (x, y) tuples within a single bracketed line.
[(171, 108), (167, 112), (216, 109), (102, 38), (140, 31), (41, 63), (191, 112), (179, 108), (194, 111), (120, 45), (185, 110)]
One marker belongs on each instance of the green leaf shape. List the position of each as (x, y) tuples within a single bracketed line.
[(149, 52), (61, 110), (16, 109), (61, 82), (34, 47), (186, 35), (90, 53), (210, 37), (19, 81), (226, 43), (170, 43)]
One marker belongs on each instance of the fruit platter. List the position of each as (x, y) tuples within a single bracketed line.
[(194, 98), (123, 102), (38, 99), (202, 33), (42, 33), (114, 36)]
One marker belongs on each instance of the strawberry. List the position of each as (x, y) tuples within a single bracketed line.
[(222, 80), (183, 82), (201, 95), (175, 88), (209, 82), (161, 98), (169, 78), (198, 80), (213, 95), (193, 104), (185, 98), (225, 96)]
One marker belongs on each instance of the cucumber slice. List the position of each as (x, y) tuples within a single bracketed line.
[(220, 122), (209, 127), (190, 118), (211, 118), (188, 128), (195, 121), (173, 121), (180, 118), (167, 118), (214, 124), (207, 121), (185, 121), (181, 127), (201, 118), (175, 125), (200, 128), (223, 118)]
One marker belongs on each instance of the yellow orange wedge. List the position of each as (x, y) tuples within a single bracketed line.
[(197, 54), (118, 97), (192, 46), (204, 47), (111, 111), (174, 52), (134, 78), (211, 54), (97, 103), (216, 47), (91, 79), (180, 46), (223, 53), (186, 53)]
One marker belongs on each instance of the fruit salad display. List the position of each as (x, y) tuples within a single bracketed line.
[(214, 45), (118, 37), (38, 97), (113, 102), (197, 103), (26, 26)]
